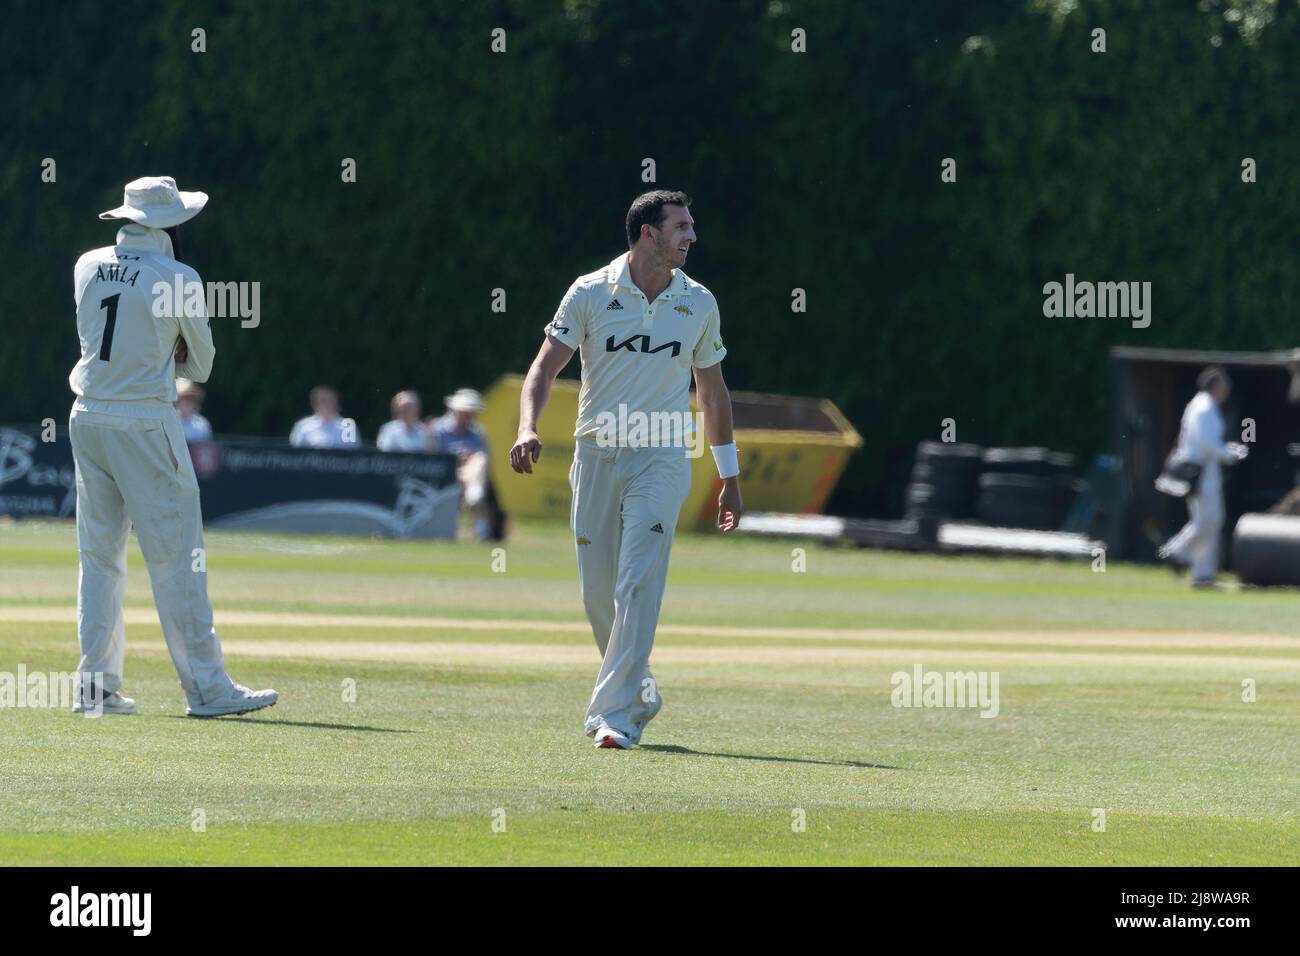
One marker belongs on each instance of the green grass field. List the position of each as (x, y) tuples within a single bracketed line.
[(1119, 691)]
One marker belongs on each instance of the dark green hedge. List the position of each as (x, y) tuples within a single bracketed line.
[(817, 170)]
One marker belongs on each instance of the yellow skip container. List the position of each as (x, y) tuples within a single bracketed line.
[(792, 452)]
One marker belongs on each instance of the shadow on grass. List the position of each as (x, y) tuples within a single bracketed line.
[(293, 723), (686, 751)]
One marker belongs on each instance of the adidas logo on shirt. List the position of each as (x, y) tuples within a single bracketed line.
[(659, 528), (614, 305)]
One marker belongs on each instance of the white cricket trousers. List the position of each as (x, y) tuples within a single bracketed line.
[(625, 507), (137, 471), (1197, 544)]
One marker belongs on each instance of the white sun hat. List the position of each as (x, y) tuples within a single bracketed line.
[(186, 387), (465, 400), (155, 201)]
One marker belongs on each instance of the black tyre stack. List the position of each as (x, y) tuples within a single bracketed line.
[(1004, 487), (1026, 488), (943, 479), (1266, 549)]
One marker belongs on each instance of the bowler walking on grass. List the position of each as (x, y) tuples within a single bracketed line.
[(132, 464), (643, 329)]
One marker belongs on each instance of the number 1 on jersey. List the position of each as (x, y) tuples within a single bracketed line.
[(106, 346)]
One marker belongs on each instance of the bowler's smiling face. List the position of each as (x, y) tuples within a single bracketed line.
[(674, 236)]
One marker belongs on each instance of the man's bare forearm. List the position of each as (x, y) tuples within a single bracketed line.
[(715, 408), (533, 397)]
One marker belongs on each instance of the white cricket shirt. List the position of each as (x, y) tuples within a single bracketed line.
[(196, 428), (317, 432), (1200, 434), (128, 352), (399, 436), (634, 352)]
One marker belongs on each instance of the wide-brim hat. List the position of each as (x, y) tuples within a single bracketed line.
[(465, 400), (155, 201)]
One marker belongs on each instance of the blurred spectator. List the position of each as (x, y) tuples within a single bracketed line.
[(457, 433), (405, 432), (325, 429), (1201, 444), (189, 398)]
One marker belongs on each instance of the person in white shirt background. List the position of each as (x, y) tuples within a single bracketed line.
[(1200, 442), (189, 399), (132, 465), (405, 432), (325, 428), (457, 433)]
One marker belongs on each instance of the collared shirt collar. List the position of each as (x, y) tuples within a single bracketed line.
[(144, 239), (620, 275)]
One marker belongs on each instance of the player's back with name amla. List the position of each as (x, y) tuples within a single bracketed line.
[(127, 348)]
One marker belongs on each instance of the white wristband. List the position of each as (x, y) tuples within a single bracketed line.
[(725, 457)]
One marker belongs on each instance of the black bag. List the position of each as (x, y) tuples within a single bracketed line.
[(1178, 478)]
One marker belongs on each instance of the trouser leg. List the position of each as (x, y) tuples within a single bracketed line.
[(162, 496), (1178, 545), (102, 532), (1203, 549), (594, 519), (657, 480), (473, 477)]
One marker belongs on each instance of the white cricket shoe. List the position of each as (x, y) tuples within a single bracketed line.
[(241, 700), (113, 703), (607, 738)]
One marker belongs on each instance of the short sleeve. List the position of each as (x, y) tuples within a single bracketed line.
[(197, 332), (709, 350), (569, 326)]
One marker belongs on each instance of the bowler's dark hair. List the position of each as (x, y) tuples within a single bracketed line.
[(648, 210), (1211, 377)]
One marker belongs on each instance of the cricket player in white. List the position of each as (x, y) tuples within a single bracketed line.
[(1200, 440), (643, 328), (133, 467)]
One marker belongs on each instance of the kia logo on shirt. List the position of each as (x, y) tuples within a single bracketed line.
[(630, 345)]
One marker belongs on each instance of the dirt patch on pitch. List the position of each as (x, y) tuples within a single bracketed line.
[(1119, 639), (1111, 648), (487, 654)]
